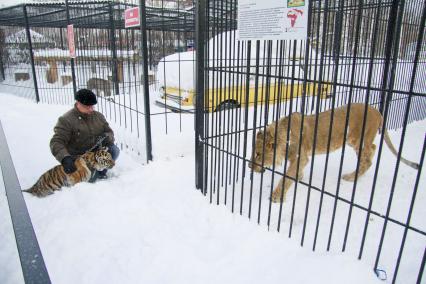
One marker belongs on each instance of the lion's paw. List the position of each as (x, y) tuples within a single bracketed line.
[(276, 196), (349, 177)]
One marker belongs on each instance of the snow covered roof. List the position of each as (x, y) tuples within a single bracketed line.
[(98, 53)]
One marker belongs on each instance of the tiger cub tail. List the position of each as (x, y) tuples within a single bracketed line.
[(53, 179)]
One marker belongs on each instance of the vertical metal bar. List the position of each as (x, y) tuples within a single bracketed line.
[(234, 117), (199, 87), (150, 49), (278, 96), (220, 91), (205, 101), (229, 134), (395, 37), (72, 60), (388, 52), (287, 144), (246, 113), (142, 13), (256, 97), (364, 121), (113, 50), (350, 99), (336, 57), (2, 48), (317, 111), (27, 28), (373, 47), (266, 90), (211, 65), (410, 211), (422, 268)]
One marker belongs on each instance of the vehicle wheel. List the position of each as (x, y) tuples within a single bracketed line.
[(227, 105)]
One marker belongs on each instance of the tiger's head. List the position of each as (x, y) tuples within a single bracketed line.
[(100, 159)]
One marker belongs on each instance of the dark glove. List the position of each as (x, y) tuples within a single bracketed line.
[(68, 164), (103, 140), (108, 140)]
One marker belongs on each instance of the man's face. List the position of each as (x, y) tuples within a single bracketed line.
[(85, 109)]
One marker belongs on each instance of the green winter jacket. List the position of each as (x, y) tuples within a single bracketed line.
[(76, 132)]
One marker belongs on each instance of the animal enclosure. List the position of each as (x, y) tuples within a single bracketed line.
[(35, 61), (187, 65), (370, 55)]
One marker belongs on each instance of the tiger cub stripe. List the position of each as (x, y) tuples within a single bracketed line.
[(56, 178)]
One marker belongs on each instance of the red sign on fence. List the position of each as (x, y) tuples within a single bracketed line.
[(131, 17), (71, 43)]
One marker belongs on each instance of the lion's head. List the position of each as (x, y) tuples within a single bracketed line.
[(266, 144), (263, 153)]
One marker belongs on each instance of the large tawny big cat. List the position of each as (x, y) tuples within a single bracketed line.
[(267, 144)]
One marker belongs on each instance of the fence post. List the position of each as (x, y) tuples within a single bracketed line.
[(27, 28), (2, 76), (388, 53), (199, 87), (113, 50), (74, 83), (2, 47), (145, 80)]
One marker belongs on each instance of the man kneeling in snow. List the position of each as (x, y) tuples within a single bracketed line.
[(79, 130)]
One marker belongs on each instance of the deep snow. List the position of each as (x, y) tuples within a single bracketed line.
[(147, 223)]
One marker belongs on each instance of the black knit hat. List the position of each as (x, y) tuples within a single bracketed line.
[(86, 97)]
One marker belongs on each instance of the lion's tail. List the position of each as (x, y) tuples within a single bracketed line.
[(393, 150)]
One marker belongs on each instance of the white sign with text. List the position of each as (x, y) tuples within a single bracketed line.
[(272, 19)]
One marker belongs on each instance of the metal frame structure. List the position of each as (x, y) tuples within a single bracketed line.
[(359, 49), (99, 25), (356, 50), (53, 15)]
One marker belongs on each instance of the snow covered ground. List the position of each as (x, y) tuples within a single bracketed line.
[(147, 223)]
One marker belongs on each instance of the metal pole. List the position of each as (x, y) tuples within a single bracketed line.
[(199, 87), (2, 47), (113, 50), (145, 81), (2, 76), (74, 85), (27, 28), (388, 52), (33, 267)]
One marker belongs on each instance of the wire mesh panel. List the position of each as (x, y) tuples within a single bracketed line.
[(299, 135)]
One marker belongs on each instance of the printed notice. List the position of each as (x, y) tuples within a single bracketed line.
[(71, 43), (272, 19)]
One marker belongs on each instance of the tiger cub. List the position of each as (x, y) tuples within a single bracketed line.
[(56, 178)]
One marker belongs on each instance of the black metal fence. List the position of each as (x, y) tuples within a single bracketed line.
[(260, 161), (36, 63), (148, 82)]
